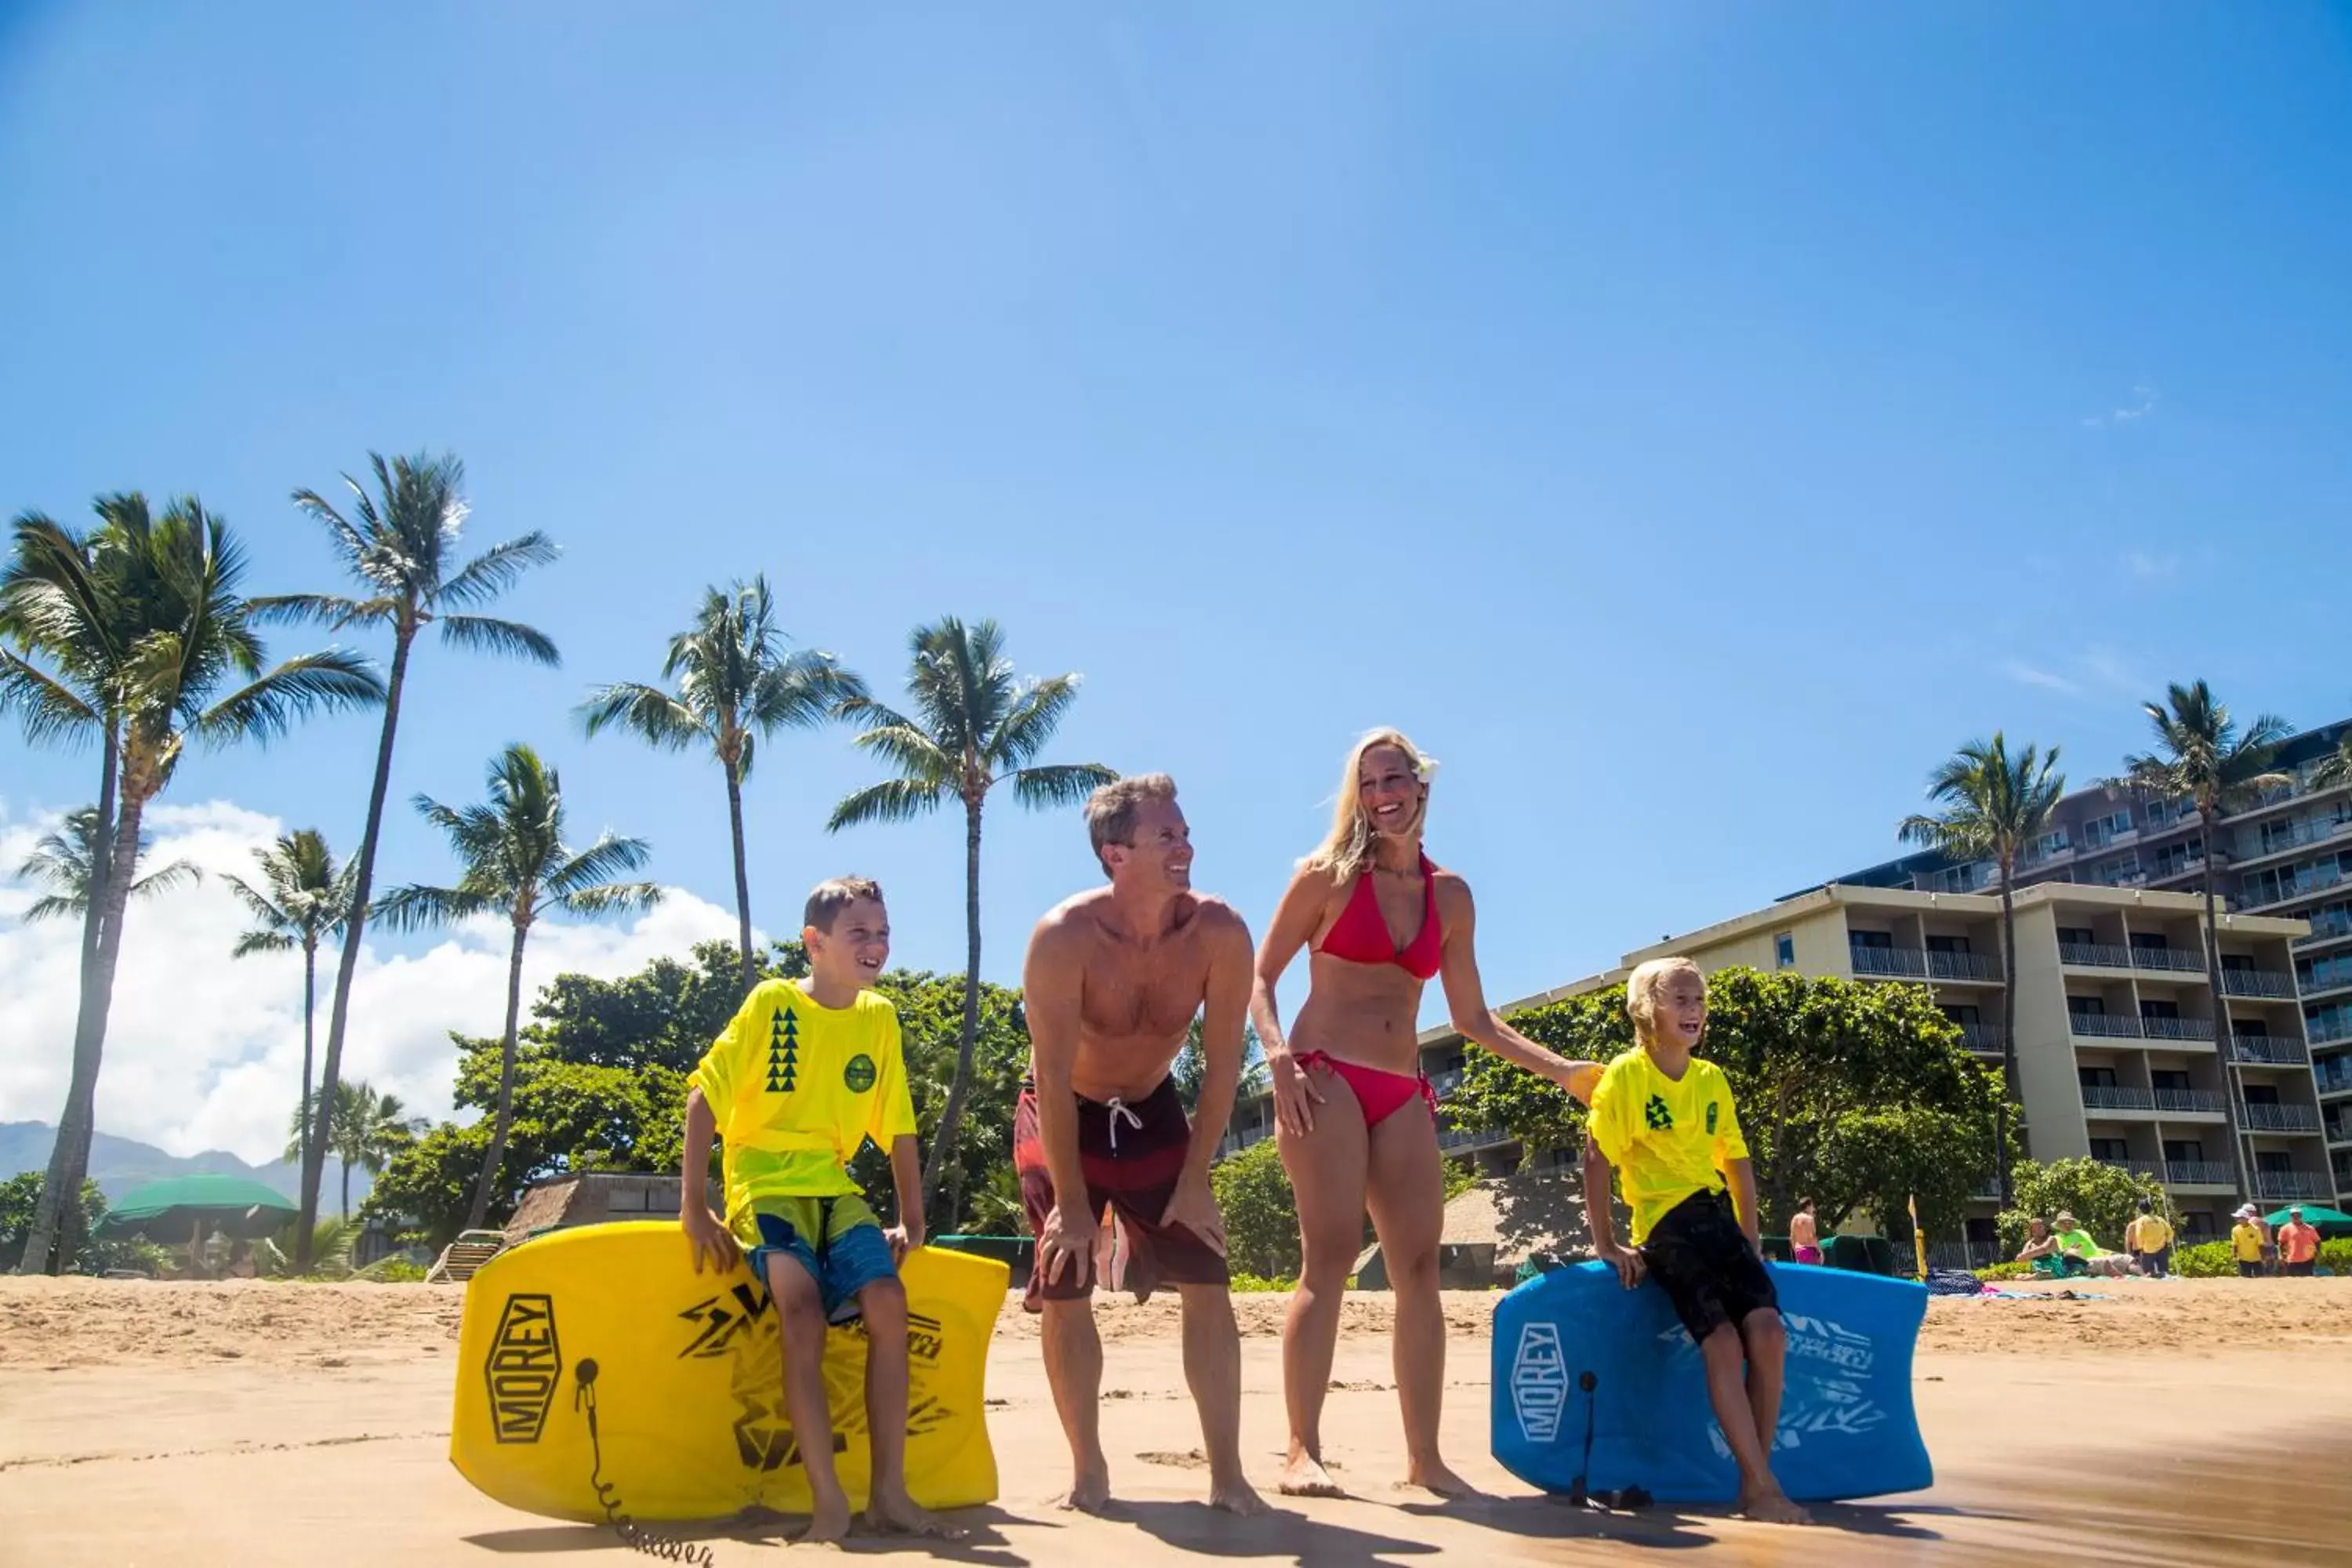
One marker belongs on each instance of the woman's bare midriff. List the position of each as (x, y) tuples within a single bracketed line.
[(1360, 1013)]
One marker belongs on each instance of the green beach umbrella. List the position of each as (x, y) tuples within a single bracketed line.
[(171, 1210), (2319, 1216)]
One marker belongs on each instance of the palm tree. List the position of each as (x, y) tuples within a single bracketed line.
[(517, 867), (400, 547), (365, 1129), (736, 683), (66, 857), (2202, 756), (2335, 770), (308, 899), (142, 626), (975, 725), (1993, 806)]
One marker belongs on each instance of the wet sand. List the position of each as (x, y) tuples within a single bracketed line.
[(2179, 1423)]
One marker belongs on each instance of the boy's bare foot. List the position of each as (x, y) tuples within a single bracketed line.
[(1237, 1496), (897, 1514), (1434, 1476), (1772, 1507), (1304, 1476), (1089, 1494), (828, 1521)]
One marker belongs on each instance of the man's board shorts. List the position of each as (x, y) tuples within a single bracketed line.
[(836, 1239), (2154, 1264), (1132, 1156), (1700, 1254), (2249, 1269)]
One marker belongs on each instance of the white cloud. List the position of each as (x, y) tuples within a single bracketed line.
[(2142, 404), (203, 1052), (2026, 674)]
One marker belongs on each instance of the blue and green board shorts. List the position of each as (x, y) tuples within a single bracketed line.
[(836, 1239)]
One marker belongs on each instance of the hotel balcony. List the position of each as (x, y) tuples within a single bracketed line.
[(2268, 1050), (1923, 964), (2278, 1117), (2258, 982), (2291, 1185), (2200, 1174)]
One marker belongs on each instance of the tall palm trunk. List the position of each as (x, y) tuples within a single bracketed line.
[(495, 1155), (2230, 1077), (2008, 1030), (742, 874), (314, 1149), (951, 1114), (309, 1030), (77, 1124), (50, 1212)]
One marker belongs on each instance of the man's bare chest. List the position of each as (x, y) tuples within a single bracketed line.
[(1128, 992)]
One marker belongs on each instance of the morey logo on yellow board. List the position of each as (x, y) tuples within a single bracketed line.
[(523, 1368)]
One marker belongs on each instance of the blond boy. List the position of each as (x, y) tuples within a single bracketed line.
[(804, 1075), (1664, 1120)]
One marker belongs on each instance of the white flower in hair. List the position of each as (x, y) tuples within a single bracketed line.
[(1425, 770)]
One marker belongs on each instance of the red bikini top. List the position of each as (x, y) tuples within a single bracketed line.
[(1361, 936)]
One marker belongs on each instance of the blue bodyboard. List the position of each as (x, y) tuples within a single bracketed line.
[(1847, 1426)]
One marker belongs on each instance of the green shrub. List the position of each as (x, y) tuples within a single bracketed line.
[(2206, 1260), (2335, 1256), (1260, 1211), (1999, 1271), (1249, 1283), (2101, 1197), (392, 1270)]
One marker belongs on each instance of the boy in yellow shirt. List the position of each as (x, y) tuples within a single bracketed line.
[(2149, 1240), (2247, 1240), (804, 1075), (1664, 1119)]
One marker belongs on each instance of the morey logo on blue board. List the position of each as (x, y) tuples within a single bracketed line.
[(1824, 1395), (523, 1368), (1538, 1382)]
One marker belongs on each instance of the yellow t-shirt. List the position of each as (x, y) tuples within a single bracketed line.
[(1667, 1138), (2148, 1233), (796, 1089), (2246, 1242)]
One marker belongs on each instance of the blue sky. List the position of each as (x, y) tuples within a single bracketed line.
[(1690, 423)]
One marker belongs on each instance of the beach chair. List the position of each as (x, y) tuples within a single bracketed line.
[(462, 1257)]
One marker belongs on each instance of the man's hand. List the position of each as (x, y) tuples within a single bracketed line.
[(1294, 1094), (1068, 1244), (710, 1237), (903, 1239), (1628, 1262), (1194, 1207)]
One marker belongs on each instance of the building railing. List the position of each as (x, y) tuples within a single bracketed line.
[(2162, 1028), (1922, 963), (2338, 1132), (2138, 1167), (2103, 1025), (1990, 1040), (1963, 1255), (2174, 960), (1988, 1188), (2303, 884), (2198, 1174), (2278, 1118), (2274, 1049), (2329, 1031), (2291, 1185), (1469, 1137), (2095, 955), (2119, 1096), (2332, 1082), (2187, 1099), (2257, 983), (2328, 925), (2327, 974), (1961, 966), (2255, 845)]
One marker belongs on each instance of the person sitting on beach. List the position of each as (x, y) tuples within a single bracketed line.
[(2075, 1243), (2248, 1242), (2042, 1251), (1804, 1234), (2298, 1245), (1664, 1120), (804, 1075), (1355, 1116), (2149, 1240)]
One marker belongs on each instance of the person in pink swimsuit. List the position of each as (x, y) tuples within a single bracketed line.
[(1355, 1116)]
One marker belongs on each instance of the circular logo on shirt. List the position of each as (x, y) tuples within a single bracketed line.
[(860, 1074)]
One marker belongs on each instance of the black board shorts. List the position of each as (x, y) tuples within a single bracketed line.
[(1701, 1256)]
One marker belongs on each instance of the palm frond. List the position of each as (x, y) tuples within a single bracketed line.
[(1061, 784), (611, 898), (416, 908), (349, 541), (254, 942), (600, 862), (1038, 713), (893, 800), (915, 755), (164, 878), (55, 906), (332, 680), (651, 714), (336, 612), (496, 569), (484, 634), (45, 707)]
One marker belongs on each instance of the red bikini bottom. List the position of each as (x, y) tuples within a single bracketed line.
[(1380, 1094)]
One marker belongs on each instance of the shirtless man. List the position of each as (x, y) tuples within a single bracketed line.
[(1112, 983)]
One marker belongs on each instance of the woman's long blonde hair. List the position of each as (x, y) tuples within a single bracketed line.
[(1349, 843)]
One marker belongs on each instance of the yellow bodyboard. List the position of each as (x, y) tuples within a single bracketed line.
[(685, 1377)]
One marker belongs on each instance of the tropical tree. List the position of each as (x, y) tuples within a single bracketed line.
[(2203, 757), (304, 899), (737, 684), (517, 867), (136, 635), (400, 546), (975, 725), (1993, 806), (2335, 770), (365, 1129), (67, 857)]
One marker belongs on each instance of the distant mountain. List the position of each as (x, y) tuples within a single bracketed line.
[(118, 1165)]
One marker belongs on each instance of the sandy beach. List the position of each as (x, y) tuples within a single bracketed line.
[(2186, 1421)]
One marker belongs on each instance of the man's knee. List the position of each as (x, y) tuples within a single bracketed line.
[(1762, 1333), (883, 1304), (1721, 1343)]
